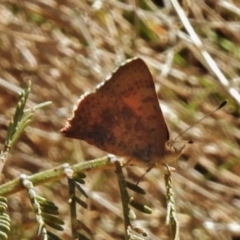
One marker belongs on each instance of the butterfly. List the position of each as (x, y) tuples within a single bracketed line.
[(123, 117)]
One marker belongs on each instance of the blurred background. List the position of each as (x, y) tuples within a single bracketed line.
[(66, 48)]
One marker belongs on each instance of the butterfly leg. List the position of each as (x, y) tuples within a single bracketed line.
[(148, 170)]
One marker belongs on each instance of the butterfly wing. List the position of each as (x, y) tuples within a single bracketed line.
[(122, 116)]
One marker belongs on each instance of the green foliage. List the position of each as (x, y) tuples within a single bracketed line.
[(4, 219)]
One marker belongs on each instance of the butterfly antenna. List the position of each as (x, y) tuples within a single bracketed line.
[(208, 115)]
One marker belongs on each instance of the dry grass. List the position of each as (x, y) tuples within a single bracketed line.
[(66, 47)]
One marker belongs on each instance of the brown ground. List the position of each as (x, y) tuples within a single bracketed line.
[(67, 47)]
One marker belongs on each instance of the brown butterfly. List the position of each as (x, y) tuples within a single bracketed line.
[(123, 117)]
